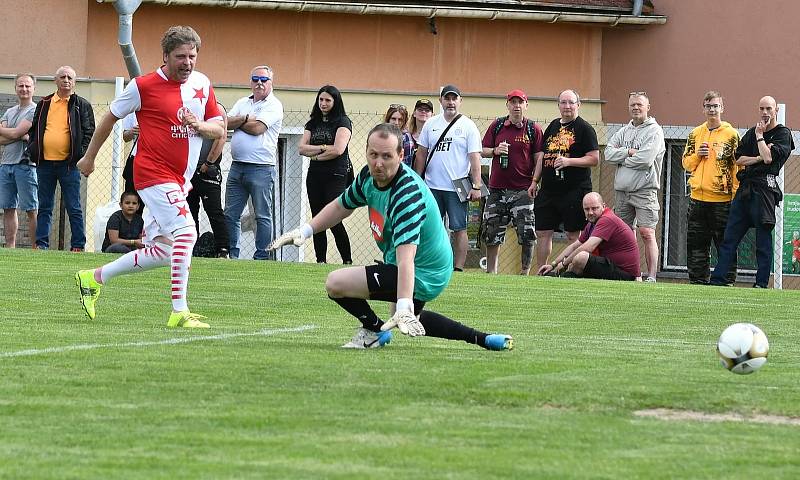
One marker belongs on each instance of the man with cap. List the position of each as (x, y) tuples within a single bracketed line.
[(454, 143), (514, 143)]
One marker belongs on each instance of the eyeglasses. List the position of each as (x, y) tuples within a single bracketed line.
[(257, 78), (637, 94), (712, 106), (567, 102)]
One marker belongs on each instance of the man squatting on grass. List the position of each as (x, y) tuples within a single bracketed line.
[(406, 224), (175, 107)]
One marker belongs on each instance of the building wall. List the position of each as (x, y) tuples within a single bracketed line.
[(738, 47), (38, 36)]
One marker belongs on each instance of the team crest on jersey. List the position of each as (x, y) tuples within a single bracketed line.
[(376, 224), (182, 131), (458, 131)]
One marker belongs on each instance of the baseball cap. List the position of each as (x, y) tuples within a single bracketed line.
[(424, 102), (450, 89), (517, 93)]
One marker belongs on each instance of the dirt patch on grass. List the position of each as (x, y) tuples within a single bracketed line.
[(692, 416)]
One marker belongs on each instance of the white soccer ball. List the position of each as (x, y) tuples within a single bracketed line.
[(743, 348)]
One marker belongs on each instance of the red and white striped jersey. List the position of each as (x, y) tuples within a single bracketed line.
[(166, 151)]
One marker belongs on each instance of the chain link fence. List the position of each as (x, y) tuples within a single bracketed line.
[(290, 202)]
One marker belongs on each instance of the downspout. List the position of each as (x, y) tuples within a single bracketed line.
[(125, 10), (637, 8)]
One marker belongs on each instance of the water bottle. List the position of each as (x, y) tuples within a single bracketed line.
[(504, 158)]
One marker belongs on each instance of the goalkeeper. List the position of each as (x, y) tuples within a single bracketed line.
[(407, 227)]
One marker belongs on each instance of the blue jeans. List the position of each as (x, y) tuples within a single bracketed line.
[(253, 181), (70, 179), (745, 213)]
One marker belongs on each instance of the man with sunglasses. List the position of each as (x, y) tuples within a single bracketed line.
[(637, 150), (709, 159), (256, 123)]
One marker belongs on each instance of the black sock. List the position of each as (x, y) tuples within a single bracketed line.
[(437, 325), (359, 308)]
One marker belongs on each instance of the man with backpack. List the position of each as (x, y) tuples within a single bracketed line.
[(514, 143)]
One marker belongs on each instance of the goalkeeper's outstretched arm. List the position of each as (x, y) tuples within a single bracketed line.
[(332, 214)]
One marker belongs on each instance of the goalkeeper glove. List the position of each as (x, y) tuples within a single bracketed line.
[(407, 322), (296, 237)]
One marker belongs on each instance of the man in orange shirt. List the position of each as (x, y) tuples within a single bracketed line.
[(63, 124)]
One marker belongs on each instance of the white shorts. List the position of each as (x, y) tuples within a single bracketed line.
[(166, 210)]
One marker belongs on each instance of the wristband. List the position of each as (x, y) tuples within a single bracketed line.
[(133, 243), (760, 139), (405, 304), (306, 230), (476, 188)]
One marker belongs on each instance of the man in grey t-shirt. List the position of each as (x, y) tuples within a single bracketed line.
[(18, 181)]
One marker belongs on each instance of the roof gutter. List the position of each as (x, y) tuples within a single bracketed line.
[(371, 8)]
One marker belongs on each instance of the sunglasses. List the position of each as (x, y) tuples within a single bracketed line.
[(398, 106), (256, 79), (632, 94)]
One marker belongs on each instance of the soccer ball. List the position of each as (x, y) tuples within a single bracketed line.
[(743, 348)]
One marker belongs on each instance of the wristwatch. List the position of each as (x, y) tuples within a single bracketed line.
[(476, 186), (760, 139)]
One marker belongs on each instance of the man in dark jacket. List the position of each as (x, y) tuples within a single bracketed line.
[(63, 124), (762, 151)]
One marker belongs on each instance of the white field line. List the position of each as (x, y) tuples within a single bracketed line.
[(169, 341)]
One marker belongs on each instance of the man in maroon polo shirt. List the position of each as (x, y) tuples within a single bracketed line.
[(605, 249), (514, 143)]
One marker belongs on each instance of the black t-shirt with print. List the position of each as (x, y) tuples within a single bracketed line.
[(324, 133), (572, 140)]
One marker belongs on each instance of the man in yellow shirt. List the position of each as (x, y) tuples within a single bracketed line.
[(709, 159), (63, 124)]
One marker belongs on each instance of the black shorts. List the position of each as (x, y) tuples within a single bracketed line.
[(604, 269), (382, 284), (552, 209)]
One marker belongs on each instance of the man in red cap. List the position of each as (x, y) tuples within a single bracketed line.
[(514, 143)]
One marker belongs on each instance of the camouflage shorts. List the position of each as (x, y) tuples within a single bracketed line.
[(504, 207)]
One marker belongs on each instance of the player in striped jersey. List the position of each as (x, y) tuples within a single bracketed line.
[(406, 225)]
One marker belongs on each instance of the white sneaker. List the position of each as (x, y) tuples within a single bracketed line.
[(650, 280), (368, 339)]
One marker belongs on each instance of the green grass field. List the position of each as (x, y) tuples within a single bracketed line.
[(268, 393)]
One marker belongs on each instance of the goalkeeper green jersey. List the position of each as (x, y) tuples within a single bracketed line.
[(405, 212)]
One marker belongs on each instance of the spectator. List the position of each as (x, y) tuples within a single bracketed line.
[(423, 109), (124, 228), (514, 143), (761, 154), (325, 139), (709, 159), (417, 257), (450, 149), (617, 256), (164, 165), (570, 150), (207, 186), (637, 149), (62, 126), (397, 115), (256, 123), (17, 177)]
